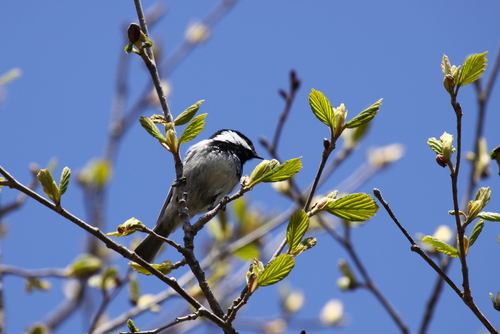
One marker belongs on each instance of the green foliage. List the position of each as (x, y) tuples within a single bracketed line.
[(247, 252), (131, 326), (441, 246), (49, 185), (84, 266), (321, 108), (304, 245), (193, 129), (130, 226), (188, 114), (151, 128), (273, 171), (445, 65), (134, 292), (106, 280), (38, 329), (365, 116), (472, 68), (489, 216), (35, 283), (474, 207), (435, 145), (165, 267), (276, 270), (354, 207), (476, 231), (296, 229), (64, 180)]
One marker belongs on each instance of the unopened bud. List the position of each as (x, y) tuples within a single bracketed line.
[(449, 83), (441, 160)]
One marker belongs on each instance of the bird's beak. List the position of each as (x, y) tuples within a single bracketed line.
[(255, 155)]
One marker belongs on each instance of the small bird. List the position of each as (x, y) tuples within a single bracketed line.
[(212, 169)]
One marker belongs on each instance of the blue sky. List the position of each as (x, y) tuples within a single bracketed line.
[(355, 52)]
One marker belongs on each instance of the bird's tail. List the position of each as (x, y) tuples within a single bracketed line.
[(149, 247)]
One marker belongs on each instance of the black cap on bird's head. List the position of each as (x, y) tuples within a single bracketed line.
[(237, 142)]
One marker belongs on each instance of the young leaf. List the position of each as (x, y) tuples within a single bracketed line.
[(151, 128), (131, 326), (165, 267), (321, 107), (276, 270), (304, 245), (64, 181), (365, 116), (297, 227), (193, 129), (84, 266), (354, 207), (49, 185), (188, 114), (435, 145), (476, 231), (247, 252), (445, 65), (472, 68), (441, 246), (284, 171), (483, 194), (130, 226), (489, 216), (272, 171)]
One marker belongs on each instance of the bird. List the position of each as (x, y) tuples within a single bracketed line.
[(212, 168)]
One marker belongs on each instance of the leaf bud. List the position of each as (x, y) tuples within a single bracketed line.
[(449, 83), (447, 141), (441, 160)]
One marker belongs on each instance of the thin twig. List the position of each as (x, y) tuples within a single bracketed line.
[(416, 248), (111, 244), (369, 283)]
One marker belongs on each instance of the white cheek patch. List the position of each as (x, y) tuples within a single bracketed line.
[(232, 137)]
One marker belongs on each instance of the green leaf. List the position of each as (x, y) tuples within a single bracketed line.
[(38, 329), (441, 246), (354, 207), (272, 171), (483, 194), (188, 114), (151, 128), (131, 326), (276, 270), (247, 252), (489, 216), (64, 181), (304, 245), (365, 116), (296, 229), (472, 68), (165, 268), (134, 291), (97, 173), (321, 107), (435, 145), (130, 226), (476, 231), (84, 266), (193, 129), (50, 187), (445, 65), (35, 283)]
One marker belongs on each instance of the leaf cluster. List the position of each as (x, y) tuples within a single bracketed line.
[(50, 188), (170, 140)]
